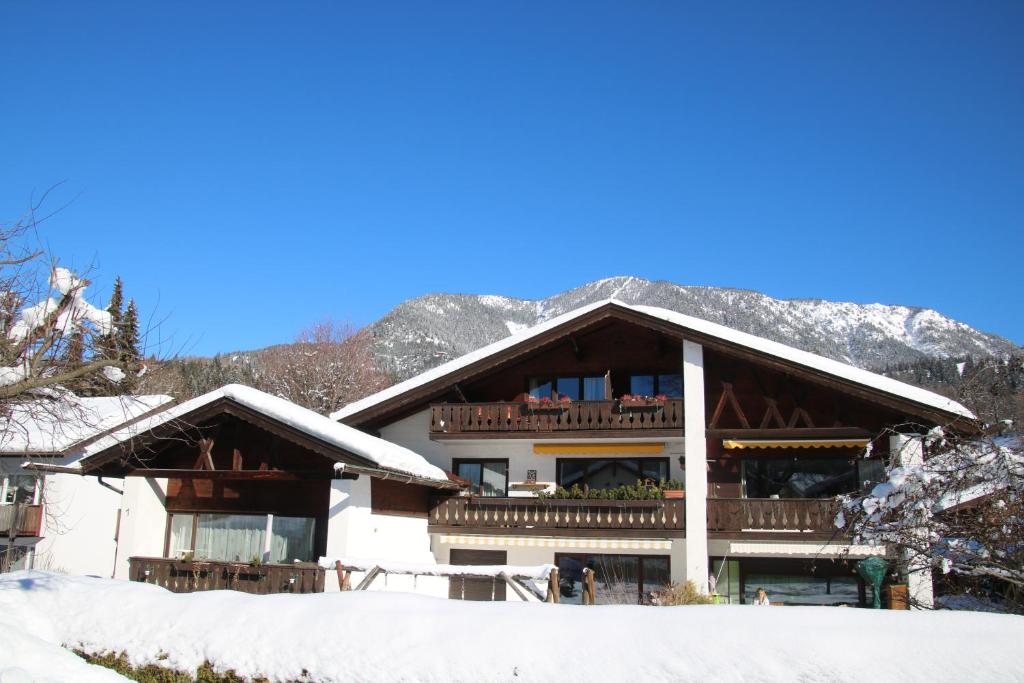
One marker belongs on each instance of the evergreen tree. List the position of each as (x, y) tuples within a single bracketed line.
[(74, 351), (110, 344), (128, 336)]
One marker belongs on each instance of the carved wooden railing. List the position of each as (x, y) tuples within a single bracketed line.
[(578, 416), (179, 576), (772, 514), (531, 513), (27, 519)]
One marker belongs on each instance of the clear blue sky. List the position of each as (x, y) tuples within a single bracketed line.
[(248, 168)]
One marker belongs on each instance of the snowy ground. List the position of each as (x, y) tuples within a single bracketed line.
[(399, 637)]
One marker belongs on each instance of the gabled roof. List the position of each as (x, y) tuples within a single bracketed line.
[(702, 331), (65, 423), (325, 432)]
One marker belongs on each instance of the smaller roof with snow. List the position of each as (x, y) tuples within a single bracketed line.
[(728, 336), (384, 454), (61, 424)]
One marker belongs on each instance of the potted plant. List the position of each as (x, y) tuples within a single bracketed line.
[(673, 489), (544, 404)]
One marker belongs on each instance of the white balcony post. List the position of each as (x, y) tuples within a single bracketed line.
[(695, 468), (908, 449)]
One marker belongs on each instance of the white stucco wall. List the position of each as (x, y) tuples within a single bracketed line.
[(143, 521), (79, 521), (79, 525), (354, 531), (413, 432)]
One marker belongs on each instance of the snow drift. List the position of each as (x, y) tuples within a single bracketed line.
[(398, 637)]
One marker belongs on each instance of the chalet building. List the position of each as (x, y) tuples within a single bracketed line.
[(239, 489), (760, 436), (60, 521)]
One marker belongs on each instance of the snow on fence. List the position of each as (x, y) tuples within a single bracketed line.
[(522, 580)]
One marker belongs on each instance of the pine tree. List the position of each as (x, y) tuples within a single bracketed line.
[(74, 350), (128, 336), (110, 344)]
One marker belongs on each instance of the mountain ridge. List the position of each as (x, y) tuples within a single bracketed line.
[(428, 330)]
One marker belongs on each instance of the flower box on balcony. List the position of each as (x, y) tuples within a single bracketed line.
[(674, 493), (630, 402)]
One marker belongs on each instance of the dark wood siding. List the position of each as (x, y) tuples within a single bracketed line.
[(396, 498), (293, 498), (477, 589)]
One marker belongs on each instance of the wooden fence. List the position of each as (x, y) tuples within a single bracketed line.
[(578, 416), (26, 519), (772, 514), (532, 513), (181, 576)]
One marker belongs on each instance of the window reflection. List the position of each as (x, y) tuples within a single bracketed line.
[(607, 473), (618, 579), (486, 477), (799, 477)]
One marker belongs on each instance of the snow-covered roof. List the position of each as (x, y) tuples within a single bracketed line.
[(384, 454), (58, 424), (806, 359)]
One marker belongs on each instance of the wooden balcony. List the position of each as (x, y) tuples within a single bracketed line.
[(579, 418), (26, 519), (797, 515), (558, 517), (179, 576)]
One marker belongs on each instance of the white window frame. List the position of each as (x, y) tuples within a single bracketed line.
[(37, 489)]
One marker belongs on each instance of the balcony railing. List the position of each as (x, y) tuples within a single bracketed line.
[(772, 514), (27, 519), (578, 416), (544, 515), (179, 576)]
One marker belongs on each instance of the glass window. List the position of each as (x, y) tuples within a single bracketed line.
[(568, 386), (231, 538), (593, 389), (798, 477), (291, 538), (540, 388), (654, 468), (181, 535), (870, 472), (802, 590), (641, 385), (486, 477), (726, 575), (670, 385), (608, 473), (15, 557), (21, 488), (618, 579)]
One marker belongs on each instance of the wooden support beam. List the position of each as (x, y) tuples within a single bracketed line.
[(458, 390), (368, 579), (227, 475), (728, 397), (205, 459), (588, 586), (553, 593), (514, 586), (344, 577), (772, 413)]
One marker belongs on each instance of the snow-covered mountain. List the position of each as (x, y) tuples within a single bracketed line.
[(429, 330)]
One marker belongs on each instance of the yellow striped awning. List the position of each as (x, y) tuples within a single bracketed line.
[(794, 443), (602, 448)]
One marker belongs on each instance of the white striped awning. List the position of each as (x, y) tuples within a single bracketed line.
[(557, 542)]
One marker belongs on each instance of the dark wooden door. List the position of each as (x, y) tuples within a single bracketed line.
[(477, 589)]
